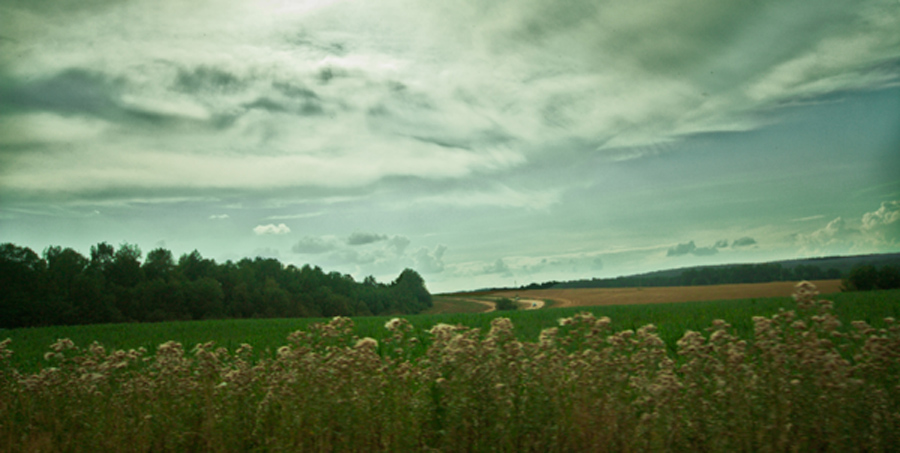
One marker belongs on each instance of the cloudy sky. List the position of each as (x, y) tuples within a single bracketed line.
[(480, 142)]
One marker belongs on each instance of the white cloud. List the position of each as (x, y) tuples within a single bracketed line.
[(306, 215), (809, 218), (219, 217), (875, 231), (835, 237), (430, 261), (497, 267), (271, 229), (398, 244), (497, 195), (882, 227), (48, 128)]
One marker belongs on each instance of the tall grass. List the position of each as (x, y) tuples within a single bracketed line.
[(802, 381)]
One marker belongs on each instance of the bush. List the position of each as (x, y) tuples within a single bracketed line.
[(505, 303)]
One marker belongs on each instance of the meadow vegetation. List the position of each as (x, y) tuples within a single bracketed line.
[(801, 381)]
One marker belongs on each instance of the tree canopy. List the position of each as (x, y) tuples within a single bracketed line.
[(114, 285)]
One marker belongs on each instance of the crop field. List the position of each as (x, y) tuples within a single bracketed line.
[(758, 374), (671, 319), (657, 295)]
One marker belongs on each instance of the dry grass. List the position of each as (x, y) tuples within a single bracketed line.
[(801, 384), (656, 295)]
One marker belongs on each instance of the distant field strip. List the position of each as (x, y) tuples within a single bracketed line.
[(449, 305), (657, 295)]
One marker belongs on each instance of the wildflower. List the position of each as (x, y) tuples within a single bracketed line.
[(393, 324), (548, 335), (440, 328), (62, 344), (4, 352), (367, 343)]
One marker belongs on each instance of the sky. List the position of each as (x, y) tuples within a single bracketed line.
[(480, 142)]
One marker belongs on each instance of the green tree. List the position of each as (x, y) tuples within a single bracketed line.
[(410, 291), (64, 284), (159, 264), (102, 256), (861, 278), (21, 278), (203, 298), (888, 278), (193, 266)]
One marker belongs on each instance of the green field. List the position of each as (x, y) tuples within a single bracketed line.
[(672, 320), (536, 380)]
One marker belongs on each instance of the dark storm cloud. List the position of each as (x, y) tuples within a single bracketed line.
[(206, 78), (289, 98), (71, 91), (304, 108), (705, 251), (295, 91), (691, 248), (365, 238), (743, 242), (682, 249), (88, 93)]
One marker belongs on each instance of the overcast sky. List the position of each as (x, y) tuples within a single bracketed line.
[(480, 142)]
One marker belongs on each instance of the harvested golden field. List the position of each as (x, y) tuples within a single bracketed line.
[(655, 295)]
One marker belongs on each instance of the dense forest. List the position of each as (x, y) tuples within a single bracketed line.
[(114, 285)]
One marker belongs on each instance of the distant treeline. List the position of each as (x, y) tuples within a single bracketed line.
[(114, 285), (870, 277)]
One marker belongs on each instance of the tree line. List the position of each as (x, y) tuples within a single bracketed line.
[(114, 285), (868, 277), (713, 275), (859, 278)]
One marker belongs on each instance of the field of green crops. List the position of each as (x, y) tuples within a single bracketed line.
[(672, 320), (802, 374)]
